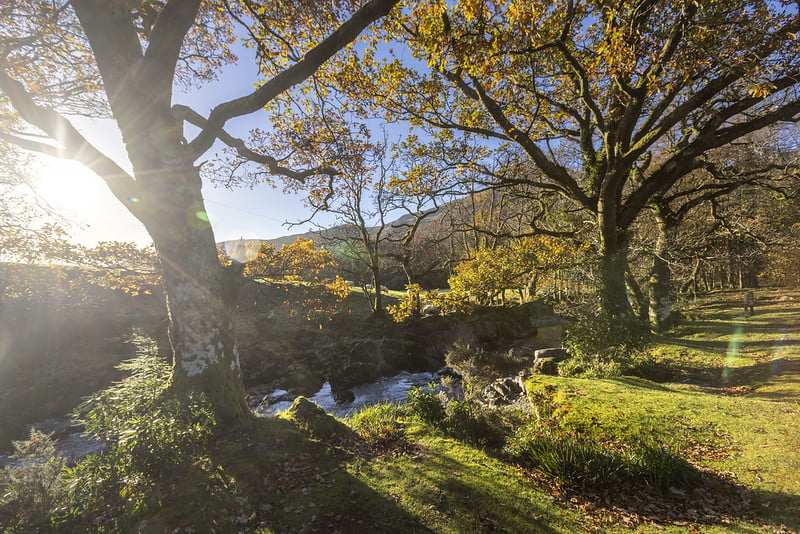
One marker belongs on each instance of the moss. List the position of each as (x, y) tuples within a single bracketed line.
[(311, 418)]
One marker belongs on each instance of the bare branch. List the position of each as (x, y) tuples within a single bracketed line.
[(297, 73)]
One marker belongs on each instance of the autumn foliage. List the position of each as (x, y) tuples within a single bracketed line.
[(520, 268), (303, 272)]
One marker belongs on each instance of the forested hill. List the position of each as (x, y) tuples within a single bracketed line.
[(249, 247)]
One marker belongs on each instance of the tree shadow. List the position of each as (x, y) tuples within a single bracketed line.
[(458, 488), (289, 482), (716, 501), (635, 381)]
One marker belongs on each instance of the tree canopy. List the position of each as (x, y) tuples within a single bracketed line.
[(124, 59), (588, 92)]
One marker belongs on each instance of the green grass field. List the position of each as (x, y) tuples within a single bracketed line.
[(730, 406)]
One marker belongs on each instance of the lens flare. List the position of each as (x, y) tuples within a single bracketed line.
[(732, 355), (776, 365)]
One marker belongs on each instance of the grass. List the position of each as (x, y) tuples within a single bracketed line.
[(731, 407)]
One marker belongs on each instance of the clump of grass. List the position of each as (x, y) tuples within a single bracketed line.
[(33, 488), (660, 467), (568, 457), (577, 460), (379, 425)]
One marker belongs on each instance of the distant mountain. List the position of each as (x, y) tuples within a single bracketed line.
[(246, 249)]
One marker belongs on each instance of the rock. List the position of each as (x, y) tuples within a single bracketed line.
[(502, 391), (312, 418), (545, 366), (344, 397), (555, 354)]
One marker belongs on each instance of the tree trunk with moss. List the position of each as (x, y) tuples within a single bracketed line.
[(660, 282)]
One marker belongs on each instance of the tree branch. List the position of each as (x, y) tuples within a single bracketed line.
[(192, 117), (297, 73), (71, 144), (166, 39)]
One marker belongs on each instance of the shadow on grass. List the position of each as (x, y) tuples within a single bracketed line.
[(470, 492), (778, 510), (635, 381), (716, 501), (271, 476)]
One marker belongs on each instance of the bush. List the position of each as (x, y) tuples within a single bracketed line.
[(33, 490), (427, 405), (148, 436), (474, 423), (462, 419), (577, 460), (603, 346)]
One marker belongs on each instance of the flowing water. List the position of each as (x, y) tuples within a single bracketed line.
[(388, 389)]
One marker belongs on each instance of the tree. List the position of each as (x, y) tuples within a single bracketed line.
[(520, 266), (588, 90), (304, 271), (123, 59), (719, 202), (299, 260)]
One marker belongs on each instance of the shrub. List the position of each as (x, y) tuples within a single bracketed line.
[(603, 346), (33, 489), (462, 419), (427, 405), (474, 423), (148, 435), (410, 304)]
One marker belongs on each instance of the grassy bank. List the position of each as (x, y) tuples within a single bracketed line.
[(728, 402)]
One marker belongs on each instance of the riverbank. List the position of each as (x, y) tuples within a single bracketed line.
[(729, 412)]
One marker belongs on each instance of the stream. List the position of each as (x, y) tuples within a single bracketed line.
[(73, 444), (387, 389)]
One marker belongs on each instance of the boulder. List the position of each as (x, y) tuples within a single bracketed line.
[(545, 366), (556, 354), (313, 419), (503, 391)]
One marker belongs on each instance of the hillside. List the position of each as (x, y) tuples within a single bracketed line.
[(243, 249)]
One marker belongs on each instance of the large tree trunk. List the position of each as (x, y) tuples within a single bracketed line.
[(637, 295), (660, 283), (201, 323), (613, 265)]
